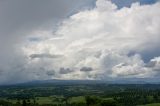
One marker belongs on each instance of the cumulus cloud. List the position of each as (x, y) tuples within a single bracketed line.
[(155, 64), (109, 41), (105, 42)]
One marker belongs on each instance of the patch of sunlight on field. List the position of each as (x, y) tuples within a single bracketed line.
[(44, 100), (108, 99), (77, 99)]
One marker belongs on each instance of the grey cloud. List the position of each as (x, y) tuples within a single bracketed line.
[(19, 18), (151, 64), (158, 70), (154, 65), (25, 15), (151, 51), (50, 73), (98, 54), (86, 69), (45, 56), (65, 70)]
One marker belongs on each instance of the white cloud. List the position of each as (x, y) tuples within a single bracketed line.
[(101, 38)]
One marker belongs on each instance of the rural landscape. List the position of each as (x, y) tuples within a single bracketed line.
[(79, 93)]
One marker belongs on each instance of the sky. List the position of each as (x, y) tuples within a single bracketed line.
[(79, 40)]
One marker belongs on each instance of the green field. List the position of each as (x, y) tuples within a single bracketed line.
[(77, 99), (80, 95)]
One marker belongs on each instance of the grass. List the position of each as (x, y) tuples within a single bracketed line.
[(44, 100), (77, 99)]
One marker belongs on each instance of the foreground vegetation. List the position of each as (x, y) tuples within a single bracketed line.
[(152, 104), (80, 95)]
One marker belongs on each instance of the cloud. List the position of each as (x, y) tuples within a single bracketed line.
[(109, 40), (19, 22), (65, 70), (44, 56), (155, 64), (51, 73), (86, 69), (104, 41)]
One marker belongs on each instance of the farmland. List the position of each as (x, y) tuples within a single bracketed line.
[(87, 94)]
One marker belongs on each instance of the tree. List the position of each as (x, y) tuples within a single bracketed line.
[(92, 100), (24, 103), (108, 103)]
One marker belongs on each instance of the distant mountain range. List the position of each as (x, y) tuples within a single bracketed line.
[(112, 81), (77, 82)]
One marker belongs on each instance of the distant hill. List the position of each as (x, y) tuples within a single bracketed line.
[(76, 82)]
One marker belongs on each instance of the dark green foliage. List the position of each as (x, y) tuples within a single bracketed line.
[(92, 100), (24, 103), (5, 103), (108, 103), (98, 95)]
